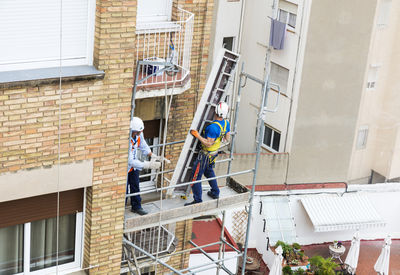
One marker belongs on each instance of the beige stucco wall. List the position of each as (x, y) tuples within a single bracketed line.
[(379, 107), (330, 91), (45, 180), (271, 169)]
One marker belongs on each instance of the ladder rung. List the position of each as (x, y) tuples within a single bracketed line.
[(230, 59)]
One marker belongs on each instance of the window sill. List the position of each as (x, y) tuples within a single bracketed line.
[(48, 75)]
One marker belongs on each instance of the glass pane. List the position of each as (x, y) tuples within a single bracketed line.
[(11, 249), (277, 139), (279, 75), (44, 242), (227, 43), (292, 20), (267, 136), (283, 16)]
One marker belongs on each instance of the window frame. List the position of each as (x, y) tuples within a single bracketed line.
[(233, 42), (273, 82), (383, 15), (372, 77), (289, 14), (362, 130), (64, 268), (269, 147)]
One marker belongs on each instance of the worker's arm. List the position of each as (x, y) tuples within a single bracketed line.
[(205, 141), (133, 162), (144, 147), (227, 137)]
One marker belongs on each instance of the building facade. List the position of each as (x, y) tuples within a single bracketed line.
[(64, 141), (334, 122)]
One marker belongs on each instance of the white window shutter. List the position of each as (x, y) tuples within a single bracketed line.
[(279, 75), (30, 33)]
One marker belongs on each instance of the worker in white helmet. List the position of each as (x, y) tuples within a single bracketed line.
[(135, 166), (210, 143)]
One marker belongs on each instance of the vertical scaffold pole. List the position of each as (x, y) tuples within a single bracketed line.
[(260, 132), (235, 120)]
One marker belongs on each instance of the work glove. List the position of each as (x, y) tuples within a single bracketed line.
[(154, 157), (195, 133), (159, 158), (151, 165)]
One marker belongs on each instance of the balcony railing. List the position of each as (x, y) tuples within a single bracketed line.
[(165, 41), (151, 240)]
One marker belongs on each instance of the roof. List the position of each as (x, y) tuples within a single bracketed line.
[(209, 231), (348, 212)]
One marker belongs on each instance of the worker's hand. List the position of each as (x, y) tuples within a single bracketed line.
[(151, 165), (195, 133)]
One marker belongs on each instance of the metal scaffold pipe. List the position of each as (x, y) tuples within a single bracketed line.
[(260, 132)]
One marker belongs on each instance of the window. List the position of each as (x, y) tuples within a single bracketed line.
[(272, 138), (372, 77), (153, 11), (384, 12), (11, 249), (287, 17), (362, 137), (287, 13), (280, 76), (227, 43), (32, 246), (30, 33)]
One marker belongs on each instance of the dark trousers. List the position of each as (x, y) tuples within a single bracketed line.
[(133, 182), (203, 165)]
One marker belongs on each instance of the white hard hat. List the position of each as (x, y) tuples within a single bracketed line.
[(222, 109), (137, 124)]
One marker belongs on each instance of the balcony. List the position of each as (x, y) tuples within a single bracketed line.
[(161, 42)]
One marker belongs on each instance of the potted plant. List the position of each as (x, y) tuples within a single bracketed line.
[(286, 248), (296, 247), (299, 271), (322, 266), (287, 270)]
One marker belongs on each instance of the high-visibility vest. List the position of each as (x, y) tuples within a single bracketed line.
[(217, 142), (134, 147)]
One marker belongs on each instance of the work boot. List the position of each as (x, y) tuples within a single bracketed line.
[(209, 193), (190, 203), (139, 211)]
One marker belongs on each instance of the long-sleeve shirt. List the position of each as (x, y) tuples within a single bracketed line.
[(135, 144)]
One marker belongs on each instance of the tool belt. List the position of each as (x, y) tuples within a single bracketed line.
[(210, 156)]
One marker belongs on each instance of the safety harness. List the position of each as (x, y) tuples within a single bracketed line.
[(137, 143)]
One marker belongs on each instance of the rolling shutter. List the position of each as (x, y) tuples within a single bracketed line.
[(40, 207), (30, 33)]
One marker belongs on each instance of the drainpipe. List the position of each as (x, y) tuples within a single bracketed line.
[(238, 48)]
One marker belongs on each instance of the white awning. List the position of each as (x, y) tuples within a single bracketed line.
[(348, 212)]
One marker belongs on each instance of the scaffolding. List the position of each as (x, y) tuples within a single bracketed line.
[(160, 216)]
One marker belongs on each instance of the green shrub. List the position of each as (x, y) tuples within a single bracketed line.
[(287, 270), (296, 246), (299, 271), (286, 248), (322, 266)]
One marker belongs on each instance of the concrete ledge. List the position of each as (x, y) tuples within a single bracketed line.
[(44, 180), (173, 210), (36, 77)]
